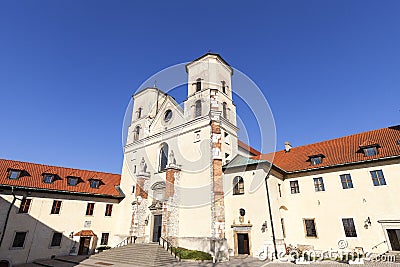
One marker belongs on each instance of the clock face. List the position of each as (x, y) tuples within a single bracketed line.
[(168, 115)]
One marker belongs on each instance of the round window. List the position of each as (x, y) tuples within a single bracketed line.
[(168, 115)]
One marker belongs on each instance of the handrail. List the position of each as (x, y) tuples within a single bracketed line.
[(129, 240), (383, 242), (170, 247)]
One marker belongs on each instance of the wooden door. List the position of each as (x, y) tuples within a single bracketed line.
[(243, 243), (84, 246)]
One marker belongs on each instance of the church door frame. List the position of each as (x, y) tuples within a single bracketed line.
[(236, 241)]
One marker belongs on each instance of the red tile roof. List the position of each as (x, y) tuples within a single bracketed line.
[(343, 150), (32, 177), (85, 233), (248, 148)]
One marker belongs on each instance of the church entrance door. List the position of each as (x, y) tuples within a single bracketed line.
[(243, 243), (157, 227)]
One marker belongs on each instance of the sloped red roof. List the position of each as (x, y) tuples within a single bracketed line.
[(248, 148), (32, 177), (338, 151), (85, 233)]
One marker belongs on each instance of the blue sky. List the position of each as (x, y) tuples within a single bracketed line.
[(68, 68)]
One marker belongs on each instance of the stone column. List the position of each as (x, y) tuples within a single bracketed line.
[(170, 207), (140, 205), (220, 248)]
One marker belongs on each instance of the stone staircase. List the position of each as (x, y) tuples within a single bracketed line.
[(140, 255)]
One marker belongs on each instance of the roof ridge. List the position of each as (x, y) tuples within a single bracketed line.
[(346, 136), (55, 166)]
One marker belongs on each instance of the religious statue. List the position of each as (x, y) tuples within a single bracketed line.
[(142, 166), (171, 158)]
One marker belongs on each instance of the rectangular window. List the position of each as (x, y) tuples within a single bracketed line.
[(370, 151), (294, 187), (279, 190), (89, 209), (14, 174), (108, 209), (310, 228), (133, 189), (104, 239), (55, 209), (349, 227), (319, 184), (346, 181), (316, 160), (56, 240), (19, 239), (48, 178), (94, 183), (378, 178), (25, 204), (72, 181)]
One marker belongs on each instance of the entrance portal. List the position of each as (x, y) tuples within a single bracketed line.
[(243, 243), (157, 227), (394, 238), (84, 246)]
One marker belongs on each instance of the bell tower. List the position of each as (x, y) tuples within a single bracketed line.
[(208, 73)]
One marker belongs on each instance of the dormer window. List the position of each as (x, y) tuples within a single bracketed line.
[(316, 159), (94, 183), (48, 178), (370, 151), (14, 174), (72, 181), (369, 148)]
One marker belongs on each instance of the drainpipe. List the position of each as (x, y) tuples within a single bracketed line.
[(270, 217), (8, 215)]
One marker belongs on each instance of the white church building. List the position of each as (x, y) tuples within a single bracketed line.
[(187, 178)]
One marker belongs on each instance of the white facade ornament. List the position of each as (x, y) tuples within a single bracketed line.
[(171, 158)]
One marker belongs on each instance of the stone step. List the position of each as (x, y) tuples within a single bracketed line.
[(137, 255)]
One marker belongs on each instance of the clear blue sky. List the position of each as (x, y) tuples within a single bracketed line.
[(68, 68)]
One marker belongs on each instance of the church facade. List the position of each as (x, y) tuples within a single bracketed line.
[(186, 178)]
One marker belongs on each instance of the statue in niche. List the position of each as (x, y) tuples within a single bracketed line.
[(171, 158), (142, 166)]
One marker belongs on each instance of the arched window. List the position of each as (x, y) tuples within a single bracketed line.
[(198, 108), (238, 185), (224, 111), (136, 133), (163, 157), (223, 87), (198, 85), (139, 113)]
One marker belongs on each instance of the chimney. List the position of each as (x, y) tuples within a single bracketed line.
[(288, 146)]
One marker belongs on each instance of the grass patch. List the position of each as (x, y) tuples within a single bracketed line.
[(184, 253)]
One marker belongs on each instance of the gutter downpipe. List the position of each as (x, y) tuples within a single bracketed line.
[(8, 215), (270, 217)]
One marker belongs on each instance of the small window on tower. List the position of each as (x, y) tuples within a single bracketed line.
[(224, 110), (223, 87), (198, 85), (136, 133), (198, 108), (139, 113)]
